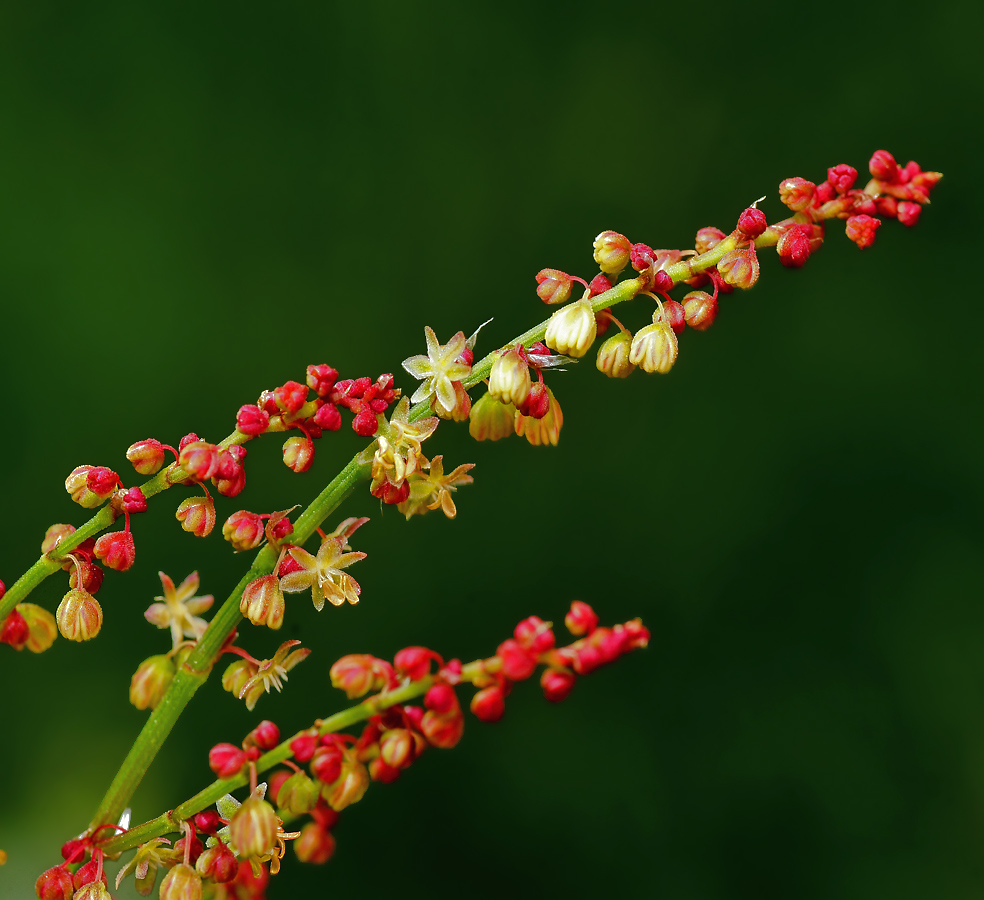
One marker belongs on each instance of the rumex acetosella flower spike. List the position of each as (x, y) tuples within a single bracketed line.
[(178, 609), (439, 369)]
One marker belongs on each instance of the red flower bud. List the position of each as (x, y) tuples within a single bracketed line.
[(883, 166), (662, 281), (87, 874), (414, 662), (537, 403), (195, 850), (116, 550), (102, 481), (556, 684), (321, 379), (199, 459), (55, 884), (396, 748), (443, 730), (218, 863), (197, 515), (441, 698), (135, 501), (489, 704), (290, 396), (699, 310), (862, 230), (739, 268), (825, 193), (303, 747), (226, 760), (315, 845), (14, 630), (674, 313), (599, 284), (553, 286), (147, 456), (581, 620), (908, 212), (641, 257), (708, 238), (207, 821), (91, 575), (842, 177), (797, 193), (266, 735), (535, 634), (244, 530), (752, 222), (518, 663), (326, 764), (252, 420), (793, 248), (328, 417)]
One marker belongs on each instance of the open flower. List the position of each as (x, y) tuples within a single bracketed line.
[(438, 369), (144, 865), (323, 573), (398, 445), (178, 607), (434, 489), (254, 678)]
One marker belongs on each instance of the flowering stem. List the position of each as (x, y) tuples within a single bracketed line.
[(171, 821)]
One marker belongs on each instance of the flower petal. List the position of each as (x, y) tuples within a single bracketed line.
[(188, 587), (298, 581), (419, 366)]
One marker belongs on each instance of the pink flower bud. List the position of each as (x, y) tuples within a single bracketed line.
[(14, 631), (380, 771), (612, 251), (147, 456), (824, 194), (862, 230), (365, 423), (641, 257), (87, 874), (181, 883), (359, 673), (217, 863), (553, 286), (197, 515), (207, 822), (151, 681), (675, 315), (443, 730), (535, 634), (321, 379), (54, 536), (189, 438), (253, 828), (199, 459), (842, 177), (518, 663), (708, 238), (797, 193), (883, 166), (556, 684), (908, 212), (739, 268), (303, 746), (581, 619), (79, 616), (116, 550), (328, 417), (489, 704), (55, 884), (599, 284), (226, 760), (396, 748), (252, 420), (662, 281), (509, 380), (290, 396), (135, 501), (263, 602), (700, 310), (751, 223), (441, 698), (794, 248), (613, 356), (315, 845), (266, 735), (244, 530), (537, 403), (414, 662), (326, 764)]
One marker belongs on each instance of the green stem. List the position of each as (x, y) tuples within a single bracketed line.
[(171, 821)]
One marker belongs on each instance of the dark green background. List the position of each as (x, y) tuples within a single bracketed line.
[(198, 202)]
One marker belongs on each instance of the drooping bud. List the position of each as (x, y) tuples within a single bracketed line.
[(797, 193), (199, 459), (350, 787), (217, 863), (556, 684), (414, 662), (263, 602), (326, 763), (675, 315), (151, 681), (883, 166), (708, 238), (537, 403), (197, 515), (545, 430), (396, 748), (299, 453), (116, 550), (553, 286), (572, 329), (908, 212), (290, 396), (613, 356), (842, 177), (739, 268), (491, 420), (321, 379), (752, 222), (181, 883), (41, 627), (55, 884), (253, 828), (299, 794), (862, 230), (14, 632), (700, 310), (147, 456), (85, 574), (581, 619), (793, 248), (489, 704), (599, 284), (359, 673), (315, 845), (441, 698), (226, 760), (509, 380), (611, 251), (79, 615), (654, 348), (244, 530), (54, 536), (90, 873)]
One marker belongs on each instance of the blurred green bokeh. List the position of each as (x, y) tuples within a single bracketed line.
[(201, 200)]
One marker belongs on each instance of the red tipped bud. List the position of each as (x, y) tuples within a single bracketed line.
[(599, 284), (87, 874), (79, 616), (244, 530), (54, 536), (196, 515), (328, 417), (862, 230), (55, 884), (315, 845), (151, 681), (359, 673), (441, 698), (147, 456), (556, 684), (321, 379), (77, 485), (181, 883), (14, 630), (218, 863), (85, 574), (263, 602), (364, 423), (290, 396), (102, 481), (396, 748), (443, 730), (699, 310), (842, 177), (41, 626), (199, 459), (226, 760), (674, 314), (253, 828), (794, 248), (553, 286), (135, 501), (414, 662), (708, 238), (116, 550), (489, 704), (518, 663), (797, 193), (207, 822), (883, 166), (739, 268), (252, 420), (612, 251), (581, 619), (752, 222), (535, 634), (326, 764), (908, 212)]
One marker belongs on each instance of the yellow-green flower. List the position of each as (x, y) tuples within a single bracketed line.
[(439, 369), (178, 607), (434, 489)]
